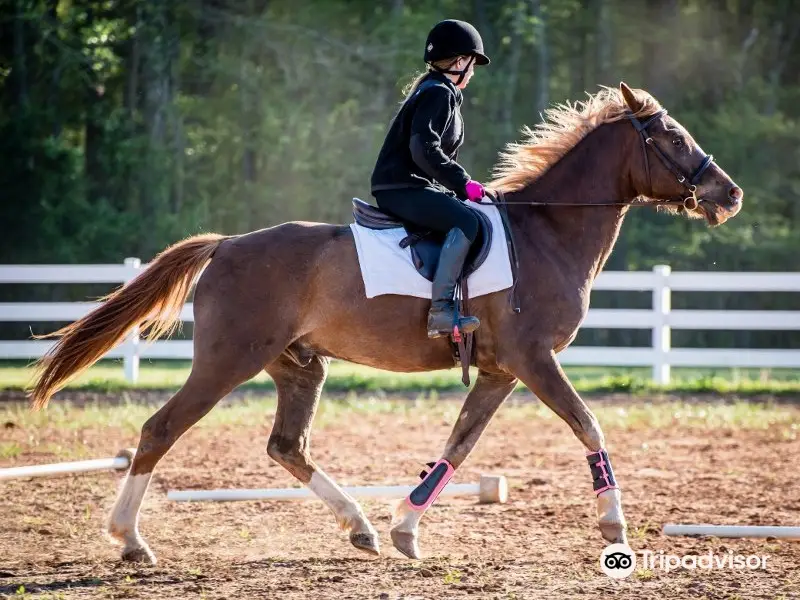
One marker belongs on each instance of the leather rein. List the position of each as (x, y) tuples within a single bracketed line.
[(690, 202)]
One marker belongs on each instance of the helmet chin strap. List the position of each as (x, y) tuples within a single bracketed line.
[(461, 74)]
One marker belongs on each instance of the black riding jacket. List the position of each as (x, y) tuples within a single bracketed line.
[(422, 144)]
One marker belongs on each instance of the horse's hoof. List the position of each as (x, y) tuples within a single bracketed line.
[(406, 544), (368, 542), (613, 533), (141, 555)]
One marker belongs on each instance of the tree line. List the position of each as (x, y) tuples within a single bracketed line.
[(128, 124)]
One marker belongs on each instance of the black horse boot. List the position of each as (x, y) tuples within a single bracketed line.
[(442, 315)]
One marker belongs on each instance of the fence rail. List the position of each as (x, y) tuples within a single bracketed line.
[(660, 318)]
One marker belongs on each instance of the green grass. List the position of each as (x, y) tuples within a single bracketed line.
[(9, 449), (345, 377), (782, 420), (253, 408)]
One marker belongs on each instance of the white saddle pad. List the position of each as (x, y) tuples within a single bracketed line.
[(388, 269)]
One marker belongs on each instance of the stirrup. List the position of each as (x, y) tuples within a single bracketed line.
[(438, 333), (456, 331), (434, 334)]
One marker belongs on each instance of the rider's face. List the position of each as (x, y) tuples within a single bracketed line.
[(461, 64)]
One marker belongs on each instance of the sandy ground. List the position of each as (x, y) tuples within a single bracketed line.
[(542, 544)]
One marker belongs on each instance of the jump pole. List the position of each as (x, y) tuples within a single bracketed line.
[(734, 531), (120, 462), (492, 489)]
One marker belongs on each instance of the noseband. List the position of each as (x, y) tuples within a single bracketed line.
[(689, 182)]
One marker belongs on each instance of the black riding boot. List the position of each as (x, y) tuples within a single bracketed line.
[(442, 316)]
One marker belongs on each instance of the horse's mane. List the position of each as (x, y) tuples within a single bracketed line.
[(563, 126)]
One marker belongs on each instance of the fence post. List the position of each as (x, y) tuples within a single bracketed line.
[(662, 335), (130, 359)]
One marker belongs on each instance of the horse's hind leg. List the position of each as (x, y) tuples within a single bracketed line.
[(299, 389), (212, 377)]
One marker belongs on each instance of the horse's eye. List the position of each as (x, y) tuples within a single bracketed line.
[(677, 142)]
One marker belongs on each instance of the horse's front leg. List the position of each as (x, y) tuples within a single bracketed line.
[(486, 396), (542, 374)]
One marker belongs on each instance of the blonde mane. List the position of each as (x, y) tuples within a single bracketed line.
[(563, 127)]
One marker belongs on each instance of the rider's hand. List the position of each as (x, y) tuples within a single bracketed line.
[(475, 191)]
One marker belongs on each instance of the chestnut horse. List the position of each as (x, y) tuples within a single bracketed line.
[(288, 298)]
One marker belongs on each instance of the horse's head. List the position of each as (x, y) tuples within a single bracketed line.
[(672, 166)]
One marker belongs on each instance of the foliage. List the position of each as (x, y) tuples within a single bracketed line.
[(128, 124)]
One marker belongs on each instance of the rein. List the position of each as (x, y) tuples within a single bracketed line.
[(685, 203), (690, 183)]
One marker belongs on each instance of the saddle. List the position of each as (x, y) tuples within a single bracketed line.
[(426, 245)]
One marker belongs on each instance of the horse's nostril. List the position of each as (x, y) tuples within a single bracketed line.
[(736, 194)]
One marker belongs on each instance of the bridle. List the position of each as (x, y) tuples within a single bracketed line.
[(689, 182)]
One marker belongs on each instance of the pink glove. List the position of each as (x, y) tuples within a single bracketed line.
[(475, 191)]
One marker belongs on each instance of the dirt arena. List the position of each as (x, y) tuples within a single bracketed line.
[(676, 462)]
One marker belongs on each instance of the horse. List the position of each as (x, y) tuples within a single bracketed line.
[(289, 298)]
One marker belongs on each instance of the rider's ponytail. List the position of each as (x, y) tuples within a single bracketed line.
[(412, 85), (439, 65)]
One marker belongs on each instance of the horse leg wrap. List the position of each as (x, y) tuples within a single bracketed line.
[(431, 486), (602, 475)]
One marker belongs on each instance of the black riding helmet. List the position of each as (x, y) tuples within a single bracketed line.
[(451, 38)]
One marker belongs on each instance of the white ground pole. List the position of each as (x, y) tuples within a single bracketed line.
[(734, 531), (120, 462), (491, 489)]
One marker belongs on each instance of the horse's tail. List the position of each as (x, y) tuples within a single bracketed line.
[(153, 300)]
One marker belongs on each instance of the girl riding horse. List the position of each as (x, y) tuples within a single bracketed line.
[(417, 178)]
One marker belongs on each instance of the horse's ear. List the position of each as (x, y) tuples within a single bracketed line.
[(630, 98)]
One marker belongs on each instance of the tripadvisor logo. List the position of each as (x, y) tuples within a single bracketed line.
[(618, 561)]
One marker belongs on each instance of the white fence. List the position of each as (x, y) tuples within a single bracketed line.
[(660, 318)]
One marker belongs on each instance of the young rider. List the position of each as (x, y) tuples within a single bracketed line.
[(417, 178)]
